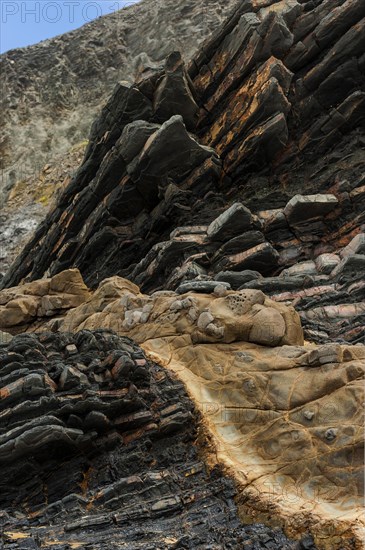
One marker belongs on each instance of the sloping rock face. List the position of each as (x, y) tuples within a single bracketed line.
[(98, 450), (272, 406), (23, 306), (267, 119), (52, 91), (29, 201), (213, 197)]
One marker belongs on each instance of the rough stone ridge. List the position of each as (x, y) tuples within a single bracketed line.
[(269, 400), (52, 91), (258, 122)]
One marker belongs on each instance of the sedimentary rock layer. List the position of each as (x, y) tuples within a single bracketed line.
[(266, 119), (218, 220), (98, 449), (272, 406), (52, 91)]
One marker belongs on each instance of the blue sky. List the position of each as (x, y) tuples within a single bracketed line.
[(26, 22)]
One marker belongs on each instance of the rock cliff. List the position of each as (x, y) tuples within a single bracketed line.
[(52, 91), (217, 219)]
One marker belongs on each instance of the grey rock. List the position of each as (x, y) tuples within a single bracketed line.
[(133, 138), (305, 207), (5, 338), (234, 221), (300, 269), (171, 153), (204, 287), (237, 278), (68, 78), (356, 246), (262, 258), (326, 263), (245, 241), (174, 94), (351, 268)]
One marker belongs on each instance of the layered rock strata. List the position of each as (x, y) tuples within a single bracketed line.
[(269, 107), (52, 91), (272, 406), (228, 191), (98, 450)]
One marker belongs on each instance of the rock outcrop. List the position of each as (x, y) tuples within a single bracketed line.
[(98, 449), (217, 219), (272, 407), (52, 91), (147, 202)]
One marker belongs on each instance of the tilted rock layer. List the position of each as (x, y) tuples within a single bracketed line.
[(284, 418), (53, 90), (267, 119), (218, 220), (98, 450)]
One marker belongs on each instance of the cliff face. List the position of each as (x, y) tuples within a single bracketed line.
[(52, 91), (267, 118), (217, 219)]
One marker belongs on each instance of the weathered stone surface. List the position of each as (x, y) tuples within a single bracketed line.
[(234, 221), (326, 263), (300, 269), (356, 246), (284, 388), (237, 279), (279, 137), (262, 258), (262, 114), (301, 207), (110, 465), (5, 338), (69, 77), (206, 287), (351, 268), (169, 153), (46, 298), (174, 94)]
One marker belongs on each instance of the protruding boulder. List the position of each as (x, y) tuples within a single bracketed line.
[(262, 258), (237, 278), (356, 246), (232, 222), (305, 207), (169, 153), (326, 263), (351, 268), (174, 94)]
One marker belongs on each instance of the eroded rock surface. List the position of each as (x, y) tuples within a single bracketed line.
[(53, 90), (218, 220), (46, 298), (98, 449), (250, 158), (274, 407)]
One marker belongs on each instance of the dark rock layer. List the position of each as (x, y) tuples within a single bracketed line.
[(276, 104), (52, 91), (98, 449)]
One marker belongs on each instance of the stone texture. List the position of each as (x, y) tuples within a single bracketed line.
[(234, 221), (251, 180), (46, 298), (268, 121), (69, 77), (115, 463), (356, 246), (304, 207), (174, 94), (270, 400)]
